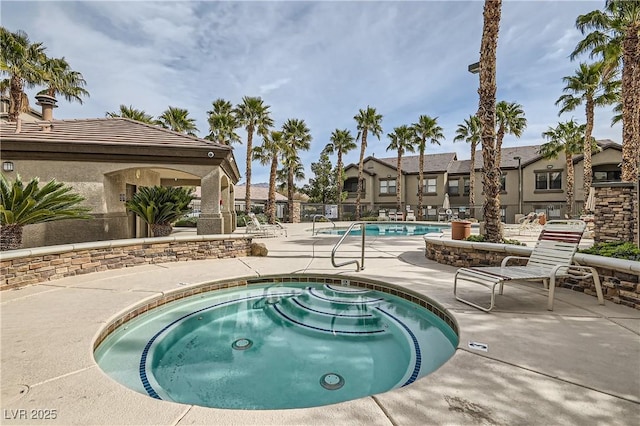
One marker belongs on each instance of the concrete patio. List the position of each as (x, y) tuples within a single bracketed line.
[(577, 365)]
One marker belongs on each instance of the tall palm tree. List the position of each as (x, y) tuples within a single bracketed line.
[(568, 138), (254, 115), (402, 139), (178, 120), (21, 60), (471, 132), (593, 87), (341, 143), (614, 32), (131, 113), (487, 114), (510, 120), (60, 79), (368, 120), (223, 123), (267, 154), (297, 137), (426, 129)]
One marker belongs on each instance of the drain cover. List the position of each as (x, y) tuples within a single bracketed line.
[(242, 344), (331, 381)]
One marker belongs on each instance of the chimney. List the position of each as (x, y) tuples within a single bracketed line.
[(48, 103)]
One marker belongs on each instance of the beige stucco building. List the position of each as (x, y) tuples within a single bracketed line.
[(106, 160), (543, 182)]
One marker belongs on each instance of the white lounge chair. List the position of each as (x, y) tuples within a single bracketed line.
[(551, 258), (382, 216), (255, 227), (411, 217)]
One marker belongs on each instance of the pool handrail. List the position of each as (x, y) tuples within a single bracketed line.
[(315, 216), (359, 265)]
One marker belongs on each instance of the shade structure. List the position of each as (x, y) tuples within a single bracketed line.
[(590, 204)]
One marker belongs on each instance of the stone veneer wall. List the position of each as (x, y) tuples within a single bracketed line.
[(616, 212), (31, 266), (620, 279), (297, 212)]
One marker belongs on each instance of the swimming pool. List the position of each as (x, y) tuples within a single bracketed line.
[(388, 229), (273, 345)]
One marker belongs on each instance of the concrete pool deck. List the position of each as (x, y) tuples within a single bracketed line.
[(579, 364)]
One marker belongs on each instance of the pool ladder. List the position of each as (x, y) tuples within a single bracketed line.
[(315, 216), (359, 265)]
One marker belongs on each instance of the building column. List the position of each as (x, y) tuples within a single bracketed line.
[(616, 212), (211, 220)]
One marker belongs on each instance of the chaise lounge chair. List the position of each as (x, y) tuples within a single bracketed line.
[(255, 227), (551, 258), (411, 217)]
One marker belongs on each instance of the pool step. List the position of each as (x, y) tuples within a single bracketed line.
[(304, 311), (327, 301)]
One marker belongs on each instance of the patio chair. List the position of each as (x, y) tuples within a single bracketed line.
[(411, 217), (255, 227), (551, 258), (382, 215)]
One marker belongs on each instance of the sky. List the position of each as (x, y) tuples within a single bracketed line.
[(319, 61)]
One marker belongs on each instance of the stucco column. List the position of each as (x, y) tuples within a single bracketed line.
[(227, 210), (210, 220)]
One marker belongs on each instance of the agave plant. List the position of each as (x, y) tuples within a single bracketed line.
[(160, 206), (24, 205)]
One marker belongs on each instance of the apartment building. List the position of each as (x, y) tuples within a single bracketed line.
[(529, 182)]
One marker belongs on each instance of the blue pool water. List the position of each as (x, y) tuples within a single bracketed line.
[(286, 345), (387, 229)]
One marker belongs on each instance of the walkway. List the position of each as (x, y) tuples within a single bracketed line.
[(578, 365)]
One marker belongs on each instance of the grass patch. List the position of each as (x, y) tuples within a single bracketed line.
[(480, 239)]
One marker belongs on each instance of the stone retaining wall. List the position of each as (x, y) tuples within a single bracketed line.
[(620, 278), (31, 266)]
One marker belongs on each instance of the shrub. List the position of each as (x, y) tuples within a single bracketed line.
[(187, 222), (480, 239), (618, 249), (28, 204), (159, 206)]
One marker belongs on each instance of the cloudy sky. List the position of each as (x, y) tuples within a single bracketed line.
[(318, 61)]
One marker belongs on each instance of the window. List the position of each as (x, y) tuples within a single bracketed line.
[(351, 185), (503, 183), (607, 176), (548, 180), (454, 187), (388, 186), (429, 185), (466, 186)]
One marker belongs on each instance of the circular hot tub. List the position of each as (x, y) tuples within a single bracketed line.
[(277, 342)]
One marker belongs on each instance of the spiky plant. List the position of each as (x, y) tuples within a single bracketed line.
[(28, 204), (160, 206)]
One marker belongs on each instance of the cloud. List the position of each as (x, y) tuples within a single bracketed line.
[(318, 61)]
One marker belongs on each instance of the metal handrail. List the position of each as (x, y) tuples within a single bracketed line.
[(359, 265), (315, 216)]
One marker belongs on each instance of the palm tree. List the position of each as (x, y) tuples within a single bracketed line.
[(272, 147), (402, 139), (593, 87), (510, 120), (368, 121), (21, 61), (131, 113), (254, 115), (222, 123), (471, 131), (614, 33), (61, 79), (28, 204), (426, 129), (341, 143), (568, 138), (296, 137), (487, 114), (178, 120)]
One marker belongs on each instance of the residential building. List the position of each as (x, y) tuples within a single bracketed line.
[(543, 182)]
